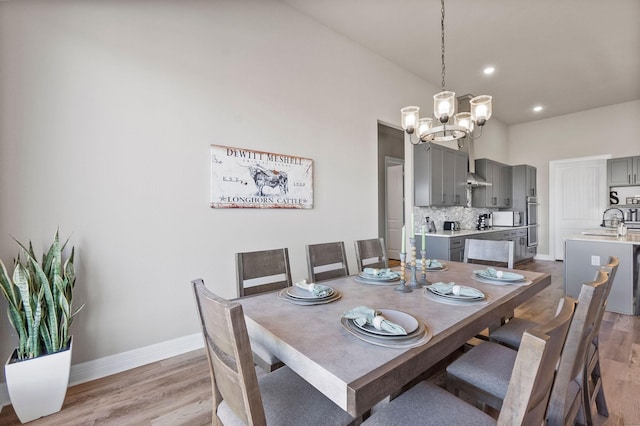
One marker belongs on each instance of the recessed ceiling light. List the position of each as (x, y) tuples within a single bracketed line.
[(537, 108), (488, 70)]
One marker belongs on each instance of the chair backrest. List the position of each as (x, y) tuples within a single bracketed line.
[(489, 250), (561, 408), (233, 375), (262, 271), (371, 254), (532, 377), (326, 261)]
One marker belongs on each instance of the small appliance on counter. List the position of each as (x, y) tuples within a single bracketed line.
[(450, 225), (507, 218), (484, 222)]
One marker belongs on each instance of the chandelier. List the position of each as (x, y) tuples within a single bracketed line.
[(446, 125)]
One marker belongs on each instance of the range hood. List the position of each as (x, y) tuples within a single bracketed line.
[(473, 179)]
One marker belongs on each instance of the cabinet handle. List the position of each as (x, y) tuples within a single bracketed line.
[(457, 199), (494, 200)]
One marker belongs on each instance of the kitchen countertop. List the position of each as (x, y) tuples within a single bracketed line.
[(608, 236), (467, 232)]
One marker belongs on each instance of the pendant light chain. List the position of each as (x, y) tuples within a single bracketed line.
[(442, 32)]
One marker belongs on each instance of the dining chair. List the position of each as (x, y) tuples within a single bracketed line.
[(567, 395), (239, 396), (511, 332), (489, 250), (326, 261), (371, 253), (525, 400), (484, 371), (593, 391), (260, 272)]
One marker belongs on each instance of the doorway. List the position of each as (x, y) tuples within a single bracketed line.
[(577, 198), (391, 187), (394, 205)]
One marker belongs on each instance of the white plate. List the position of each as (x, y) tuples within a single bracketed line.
[(453, 296), (406, 321), (300, 293), (506, 276), (375, 282)]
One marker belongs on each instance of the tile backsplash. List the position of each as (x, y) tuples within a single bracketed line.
[(467, 216)]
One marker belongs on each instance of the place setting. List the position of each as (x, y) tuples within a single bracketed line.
[(454, 294), (433, 265), (386, 327), (384, 276), (303, 293), (498, 277)]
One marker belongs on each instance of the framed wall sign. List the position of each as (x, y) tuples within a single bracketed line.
[(244, 178)]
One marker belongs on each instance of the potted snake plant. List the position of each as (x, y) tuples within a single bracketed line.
[(40, 309)]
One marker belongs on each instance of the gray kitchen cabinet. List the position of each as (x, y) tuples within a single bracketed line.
[(523, 185), (498, 194), (440, 176), (623, 171), (452, 248)]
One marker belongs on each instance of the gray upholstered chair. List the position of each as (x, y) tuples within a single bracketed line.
[(239, 397), (525, 402), (326, 261), (371, 254), (485, 371), (593, 391), (489, 250), (260, 272), (481, 372)]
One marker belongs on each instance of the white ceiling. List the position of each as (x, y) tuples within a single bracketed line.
[(566, 55)]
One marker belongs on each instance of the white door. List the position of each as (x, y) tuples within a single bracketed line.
[(578, 197), (394, 206)]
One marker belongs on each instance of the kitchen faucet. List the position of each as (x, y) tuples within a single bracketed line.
[(612, 208)]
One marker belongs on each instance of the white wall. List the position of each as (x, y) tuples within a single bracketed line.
[(107, 112), (611, 130)]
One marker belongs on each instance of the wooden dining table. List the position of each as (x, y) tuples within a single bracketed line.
[(356, 374)]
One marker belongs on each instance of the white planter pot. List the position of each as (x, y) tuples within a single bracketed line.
[(37, 387)]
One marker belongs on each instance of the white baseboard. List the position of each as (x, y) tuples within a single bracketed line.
[(543, 257), (112, 364)]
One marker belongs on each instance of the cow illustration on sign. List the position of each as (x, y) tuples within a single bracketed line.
[(272, 178)]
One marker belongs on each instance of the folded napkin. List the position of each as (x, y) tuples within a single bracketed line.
[(365, 315), (380, 273), (494, 273), (318, 290), (455, 289), (432, 263)]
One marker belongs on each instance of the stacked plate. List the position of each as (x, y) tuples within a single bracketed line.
[(417, 331), (300, 296), (494, 276), (432, 293), (391, 278)]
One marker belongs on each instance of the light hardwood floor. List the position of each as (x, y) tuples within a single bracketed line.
[(177, 391)]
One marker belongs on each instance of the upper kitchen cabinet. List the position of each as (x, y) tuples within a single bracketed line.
[(623, 171), (524, 181), (440, 176), (498, 194)]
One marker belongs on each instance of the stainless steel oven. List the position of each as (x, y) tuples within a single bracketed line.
[(531, 220)]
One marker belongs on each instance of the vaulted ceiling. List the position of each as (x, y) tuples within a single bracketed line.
[(565, 55)]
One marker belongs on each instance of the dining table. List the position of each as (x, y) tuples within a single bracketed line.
[(357, 372)]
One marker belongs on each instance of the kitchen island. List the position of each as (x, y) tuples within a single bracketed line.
[(585, 252)]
